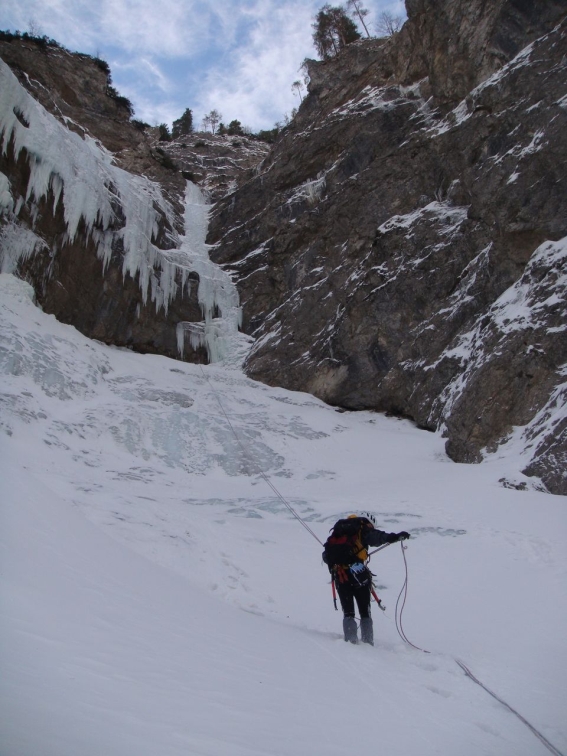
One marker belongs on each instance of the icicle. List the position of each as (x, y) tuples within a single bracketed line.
[(80, 173), (217, 294)]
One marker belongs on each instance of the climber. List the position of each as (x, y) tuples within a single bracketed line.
[(346, 556)]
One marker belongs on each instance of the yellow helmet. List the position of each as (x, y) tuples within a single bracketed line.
[(367, 515)]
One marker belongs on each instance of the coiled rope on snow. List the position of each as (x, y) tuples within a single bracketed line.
[(398, 614)]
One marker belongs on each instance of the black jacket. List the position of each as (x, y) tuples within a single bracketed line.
[(375, 537)]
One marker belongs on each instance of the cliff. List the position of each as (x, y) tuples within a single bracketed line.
[(96, 215), (218, 164), (402, 248)]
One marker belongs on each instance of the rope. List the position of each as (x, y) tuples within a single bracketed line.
[(379, 548), (399, 610), (259, 471), (399, 627), (398, 616), (536, 732)]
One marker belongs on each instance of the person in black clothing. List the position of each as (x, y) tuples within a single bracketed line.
[(346, 554)]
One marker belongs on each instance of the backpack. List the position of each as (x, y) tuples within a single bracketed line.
[(344, 545)]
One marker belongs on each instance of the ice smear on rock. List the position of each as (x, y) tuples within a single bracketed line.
[(217, 293), (114, 206), (117, 209), (535, 303)]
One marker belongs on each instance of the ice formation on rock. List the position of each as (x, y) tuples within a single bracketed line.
[(116, 209), (217, 293)]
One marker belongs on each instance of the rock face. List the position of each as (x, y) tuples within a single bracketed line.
[(217, 163), (75, 89), (400, 249), (92, 209)]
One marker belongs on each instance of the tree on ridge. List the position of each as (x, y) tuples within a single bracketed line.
[(211, 121), (357, 7), (388, 24), (333, 30), (183, 125)]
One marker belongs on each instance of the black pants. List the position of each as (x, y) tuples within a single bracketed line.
[(350, 591)]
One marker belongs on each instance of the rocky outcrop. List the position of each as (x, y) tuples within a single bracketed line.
[(458, 45), (400, 248), (77, 90), (218, 163), (92, 209)]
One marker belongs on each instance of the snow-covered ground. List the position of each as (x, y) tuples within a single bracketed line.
[(158, 599)]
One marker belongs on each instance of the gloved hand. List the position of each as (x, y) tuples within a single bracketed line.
[(403, 536)]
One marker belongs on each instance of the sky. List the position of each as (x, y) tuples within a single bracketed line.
[(237, 56)]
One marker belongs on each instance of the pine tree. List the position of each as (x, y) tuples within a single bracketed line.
[(164, 135), (357, 7), (333, 30), (183, 125), (297, 88), (235, 128)]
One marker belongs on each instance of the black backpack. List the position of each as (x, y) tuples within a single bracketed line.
[(344, 544)]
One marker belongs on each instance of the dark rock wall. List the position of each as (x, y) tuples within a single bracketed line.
[(377, 246), (217, 163), (457, 45)]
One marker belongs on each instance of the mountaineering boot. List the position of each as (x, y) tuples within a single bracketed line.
[(349, 629), (366, 630)]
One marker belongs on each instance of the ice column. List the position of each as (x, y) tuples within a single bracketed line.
[(217, 293)]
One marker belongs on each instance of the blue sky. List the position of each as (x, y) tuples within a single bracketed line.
[(238, 56)]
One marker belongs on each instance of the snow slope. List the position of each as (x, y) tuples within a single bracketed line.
[(159, 599)]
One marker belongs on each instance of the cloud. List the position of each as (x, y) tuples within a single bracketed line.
[(146, 72), (168, 28), (238, 56), (70, 26), (256, 88)]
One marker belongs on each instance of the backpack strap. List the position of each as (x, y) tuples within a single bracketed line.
[(361, 550)]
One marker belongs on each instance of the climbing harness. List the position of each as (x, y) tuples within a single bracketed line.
[(404, 591), (372, 591)]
